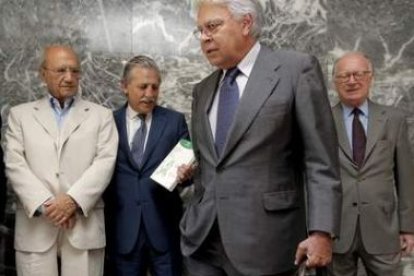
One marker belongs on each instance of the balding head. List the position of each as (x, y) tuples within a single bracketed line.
[(60, 71), (353, 75)]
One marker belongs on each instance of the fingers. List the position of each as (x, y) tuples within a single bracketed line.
[(184, 172), (317, 249), (59, 210), (300, 255), (407, 244), (69, 223)]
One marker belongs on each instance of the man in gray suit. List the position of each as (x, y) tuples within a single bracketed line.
[(247, 215), (377, 176)]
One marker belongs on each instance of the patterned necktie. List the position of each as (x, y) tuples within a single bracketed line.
[(137, 148), (359, 140), (227, 105)]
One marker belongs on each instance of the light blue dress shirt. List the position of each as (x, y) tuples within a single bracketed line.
[(61, 113)]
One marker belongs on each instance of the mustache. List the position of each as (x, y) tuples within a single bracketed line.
[(147, 100)]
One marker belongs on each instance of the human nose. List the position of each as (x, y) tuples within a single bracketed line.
[(351, 78), (70, 75), (150, 91), (204, 35)]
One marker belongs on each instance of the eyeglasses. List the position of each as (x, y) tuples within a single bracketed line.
[(209, 28), (346, 76), (62, 71)]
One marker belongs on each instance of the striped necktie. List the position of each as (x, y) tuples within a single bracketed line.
[(227, 105), (138, 142)]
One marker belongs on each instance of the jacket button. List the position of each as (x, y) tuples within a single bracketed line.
[(354, 204)]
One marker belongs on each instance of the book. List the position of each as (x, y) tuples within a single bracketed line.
[(166, 173)]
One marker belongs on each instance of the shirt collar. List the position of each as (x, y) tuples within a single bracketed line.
[(67, 104), (132, 114), (347, 110), (246, 64)]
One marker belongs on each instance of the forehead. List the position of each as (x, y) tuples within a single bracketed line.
[(142, 74), (352, 62), (61, 57), (211, 11)]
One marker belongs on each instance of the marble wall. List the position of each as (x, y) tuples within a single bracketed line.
[(107, 32)]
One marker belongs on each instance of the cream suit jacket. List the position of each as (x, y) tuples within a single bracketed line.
[(43, 161)]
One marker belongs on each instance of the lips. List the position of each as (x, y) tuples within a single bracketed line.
[(353, 89), (210, 50)]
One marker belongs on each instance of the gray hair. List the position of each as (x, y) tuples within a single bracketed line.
[(141, 62), (370, 66), (239, 8)]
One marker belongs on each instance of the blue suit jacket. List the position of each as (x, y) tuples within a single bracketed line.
[(133, 200)]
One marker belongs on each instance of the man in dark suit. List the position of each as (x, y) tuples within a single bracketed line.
[(3, 184), (247, 216), (142, 216), (377, 174)]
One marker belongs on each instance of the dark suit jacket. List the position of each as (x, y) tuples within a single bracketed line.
[(283, 133), (133, 199), (3, 184), (382, 191)]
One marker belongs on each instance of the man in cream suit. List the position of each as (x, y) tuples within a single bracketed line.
[(377, 174), (247, 216), (60, 154)]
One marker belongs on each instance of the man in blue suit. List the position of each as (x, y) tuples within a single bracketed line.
[(142, 216)]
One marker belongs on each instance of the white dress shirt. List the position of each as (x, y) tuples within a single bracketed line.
[(133, 123), (245, 66)]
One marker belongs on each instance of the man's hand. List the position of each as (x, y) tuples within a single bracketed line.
[(185, 172), (316, 249), (61, 211), (407, 243), (70, 223)]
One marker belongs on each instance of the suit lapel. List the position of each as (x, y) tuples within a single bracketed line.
[(343, 141), (120, 120), (261, 84), (206, 100), (376, 123), (78, 113), (43, 113)]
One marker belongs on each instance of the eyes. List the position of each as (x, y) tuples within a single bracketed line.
[(209, 28), (145, 86), (357, 75), (63, 70)]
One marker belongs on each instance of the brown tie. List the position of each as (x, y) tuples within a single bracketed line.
[(359, 140)]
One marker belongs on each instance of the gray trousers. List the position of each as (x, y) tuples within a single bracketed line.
[(375, 264)]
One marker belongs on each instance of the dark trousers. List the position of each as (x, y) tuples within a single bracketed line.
[(211, 259), (144, 258)]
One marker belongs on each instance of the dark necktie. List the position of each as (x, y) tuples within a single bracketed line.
[(137, 148), (359, 140), (227, 105)]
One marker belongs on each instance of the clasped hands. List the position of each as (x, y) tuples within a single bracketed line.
[(61, 211)]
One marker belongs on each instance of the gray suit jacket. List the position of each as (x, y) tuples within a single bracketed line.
[(382, 192), (282, 134)]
